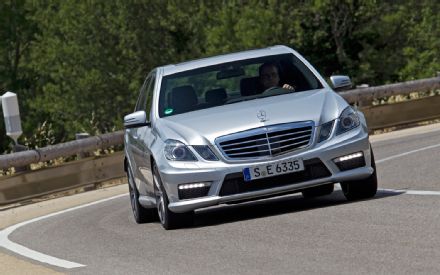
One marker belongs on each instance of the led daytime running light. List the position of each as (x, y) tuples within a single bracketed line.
[(348, 157), (192, 185)]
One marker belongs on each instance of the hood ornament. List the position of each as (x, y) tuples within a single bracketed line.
[(261, 115)]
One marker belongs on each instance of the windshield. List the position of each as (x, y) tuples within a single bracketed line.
[(233, 82)]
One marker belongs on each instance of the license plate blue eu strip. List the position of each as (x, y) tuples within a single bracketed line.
[(247, 174)]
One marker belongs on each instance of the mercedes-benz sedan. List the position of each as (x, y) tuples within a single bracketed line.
[(239, 127)]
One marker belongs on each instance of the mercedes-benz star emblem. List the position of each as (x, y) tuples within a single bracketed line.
[(261, 115)]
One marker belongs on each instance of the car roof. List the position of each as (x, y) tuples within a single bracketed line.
[(214, 60)]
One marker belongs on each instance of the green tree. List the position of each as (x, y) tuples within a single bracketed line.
[(78, 66), (421, 52), (244, 25), (92, 57), (16, 35)]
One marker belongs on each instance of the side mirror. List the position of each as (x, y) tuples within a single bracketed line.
[(340, 82), (136, 119)]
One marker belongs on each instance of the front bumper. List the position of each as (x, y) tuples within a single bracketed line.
[(188, 205), (216, 172)]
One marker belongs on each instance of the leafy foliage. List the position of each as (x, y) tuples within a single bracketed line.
[(78, 65)]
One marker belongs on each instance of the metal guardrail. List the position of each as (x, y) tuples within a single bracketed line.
[(403, 88), (70, 175), (400, 113), (33, 184), (66, 149)]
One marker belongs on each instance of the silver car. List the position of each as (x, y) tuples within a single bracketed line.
[(240, 127)]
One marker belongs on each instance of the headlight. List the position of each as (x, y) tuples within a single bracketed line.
[(325, 131), (176, 150), (347, 120), (205, 152)]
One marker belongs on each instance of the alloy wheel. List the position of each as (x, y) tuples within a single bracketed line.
[(160, 203), (132, 194)]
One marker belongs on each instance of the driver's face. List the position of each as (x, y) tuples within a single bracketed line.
[(269, 77)]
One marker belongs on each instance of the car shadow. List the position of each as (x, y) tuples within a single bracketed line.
[(275, 206)]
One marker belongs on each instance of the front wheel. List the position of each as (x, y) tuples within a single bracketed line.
[(361, 189), (167, 218), (141, 214)]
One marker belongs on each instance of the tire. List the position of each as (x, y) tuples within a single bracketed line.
[(167, 218), (318, 191), (141, 214), (361, 189)]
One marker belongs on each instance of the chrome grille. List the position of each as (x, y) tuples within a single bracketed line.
[(266, 141)]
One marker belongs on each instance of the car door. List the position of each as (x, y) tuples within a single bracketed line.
[(144, 139), (133, 146)]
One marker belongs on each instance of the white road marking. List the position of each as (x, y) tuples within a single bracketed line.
[(35, 255), (403, 191), (412, 192), (407, 153)]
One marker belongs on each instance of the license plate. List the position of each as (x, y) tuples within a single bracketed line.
[(273, 169)]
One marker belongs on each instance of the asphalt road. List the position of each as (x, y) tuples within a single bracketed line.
[(396, 232)]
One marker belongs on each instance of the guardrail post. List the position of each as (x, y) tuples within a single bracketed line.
[(361, 102), (21, 148), (82, 136)]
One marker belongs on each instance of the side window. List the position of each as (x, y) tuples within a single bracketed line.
[(140, 105), (149, 97)]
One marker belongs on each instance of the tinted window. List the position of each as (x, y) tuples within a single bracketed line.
[(232, 82), (140, 104), (149, 97), (146, 94)]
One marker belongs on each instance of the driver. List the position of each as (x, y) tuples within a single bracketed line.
[(269, 76)]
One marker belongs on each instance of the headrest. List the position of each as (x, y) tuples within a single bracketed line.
[(215, 96), (250, 86), (183, 99)]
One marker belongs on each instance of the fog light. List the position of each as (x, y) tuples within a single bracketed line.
[(351, 161), (348, 157), (193, 190), (193, 185)]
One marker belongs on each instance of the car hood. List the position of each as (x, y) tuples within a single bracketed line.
[(204, 126)]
